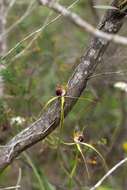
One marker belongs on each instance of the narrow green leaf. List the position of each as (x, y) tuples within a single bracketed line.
[(84, 159), (42, 180), (50, 101)]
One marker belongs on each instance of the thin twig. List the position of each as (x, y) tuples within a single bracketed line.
[(77, 20), (108, 174), (50, 119), (27, 12), (9, 188), (19, 179), (40, 29)]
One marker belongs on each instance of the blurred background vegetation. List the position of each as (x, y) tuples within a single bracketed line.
[(33, 69)]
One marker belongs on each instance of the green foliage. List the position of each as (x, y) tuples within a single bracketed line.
[(8, 75), (30, 82), (41, 178), (105, 188)]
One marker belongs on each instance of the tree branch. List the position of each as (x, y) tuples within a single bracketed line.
[(98, 184), (84, 25), (50, 119)]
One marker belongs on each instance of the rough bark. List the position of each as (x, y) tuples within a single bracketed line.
[(37, 131)]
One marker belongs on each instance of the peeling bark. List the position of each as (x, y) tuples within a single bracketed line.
[(37, 131)]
